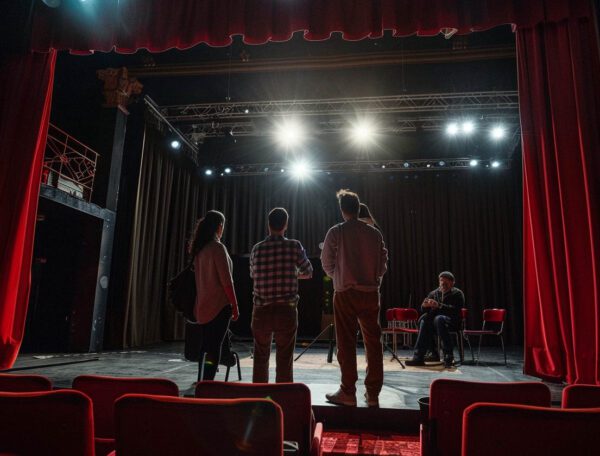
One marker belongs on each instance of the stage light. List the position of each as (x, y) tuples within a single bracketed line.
[(495, 164), (474, 163), (290, 133), (208, 172), (442, 163), (246, 111), (363, 132), (227, 170), (497, 133), (468, 127), (406, 164), (300, 170), (452, 129), (429, 165), (175, 144), (382, 166), (282, 170)]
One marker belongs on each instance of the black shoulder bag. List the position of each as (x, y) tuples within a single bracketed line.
[(182, 292)]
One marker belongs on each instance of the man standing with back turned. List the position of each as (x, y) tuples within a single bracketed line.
[(355, 256), (276, 264)]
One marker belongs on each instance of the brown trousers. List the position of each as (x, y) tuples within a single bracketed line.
[(353, 309), (279, 321)]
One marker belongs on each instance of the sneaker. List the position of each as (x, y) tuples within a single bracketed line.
[(415, 361), (432, 357), (372, 400), (341, 398), (448, 361)]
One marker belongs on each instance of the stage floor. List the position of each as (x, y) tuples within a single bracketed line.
[(402, 387)]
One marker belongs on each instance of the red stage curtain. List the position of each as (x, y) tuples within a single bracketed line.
[(157, 25), (25, 99), (559, 95)]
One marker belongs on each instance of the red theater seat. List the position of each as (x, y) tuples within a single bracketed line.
[(24, 383), (293, 398), (162, 426), (104, 391), (581, 396), (46, 423), (509, 429), (449, 398)]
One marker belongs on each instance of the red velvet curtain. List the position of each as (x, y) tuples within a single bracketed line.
[(25, 99), (559, 90)]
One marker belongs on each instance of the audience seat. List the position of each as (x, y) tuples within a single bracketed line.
[(509, 429), (449, 398), (46, 423), (162, 426), (24, 383), (293, 398), (581, 396), (104, 391)]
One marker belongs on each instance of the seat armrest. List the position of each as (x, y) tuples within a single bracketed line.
[(315, 444)]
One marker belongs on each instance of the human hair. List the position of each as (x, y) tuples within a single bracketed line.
[(205, 231), (278, 217), (349, 202)]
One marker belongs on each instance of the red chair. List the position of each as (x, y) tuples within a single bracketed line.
[(400, 320), (48, 422), (581, 396), (449, 398), (293, 398), (160, 425), (24, 383), (490, 316), (104, 391), (509, 429)]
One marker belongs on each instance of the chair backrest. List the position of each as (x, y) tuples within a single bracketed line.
[(161, 425), (406, 314), (464, 313), (389, 315), (581, 396), (494, 315), (501, 429), (449, 398), (24, 383), (104, 391), (293, 398), (47, 422)]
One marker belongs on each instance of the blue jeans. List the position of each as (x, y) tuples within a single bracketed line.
[(428, 327)]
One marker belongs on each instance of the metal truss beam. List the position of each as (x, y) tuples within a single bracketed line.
[(398, 113)]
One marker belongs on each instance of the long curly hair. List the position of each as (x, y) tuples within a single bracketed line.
[(205, 231)]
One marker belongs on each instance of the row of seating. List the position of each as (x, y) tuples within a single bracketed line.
[(475, 418), (146, 416), (404, 321)]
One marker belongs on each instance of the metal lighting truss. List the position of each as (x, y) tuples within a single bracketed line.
[(363, 166), (394, 114)]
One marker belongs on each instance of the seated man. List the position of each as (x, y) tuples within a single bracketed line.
[(442, 315)]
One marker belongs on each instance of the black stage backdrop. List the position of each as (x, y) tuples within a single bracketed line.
[(465, 221)]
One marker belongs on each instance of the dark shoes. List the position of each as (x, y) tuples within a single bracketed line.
[(448, 361), (415, 361), (432, 357)]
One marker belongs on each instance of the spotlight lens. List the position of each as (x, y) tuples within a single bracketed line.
[(208, 172), (300, 170), (473, 162), (363, 133), (246, 111), (227, 170), (383, 166), (406, 164), (442, 163), (495, 164), (290, 133), (175, 144), (468, 127), (452, 129), (497, 133)]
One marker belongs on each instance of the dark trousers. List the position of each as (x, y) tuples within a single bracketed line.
[(353, 309), (428, 328), (213, 334), (279, 321)]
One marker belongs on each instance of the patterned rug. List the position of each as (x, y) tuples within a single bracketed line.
[(343, 443)]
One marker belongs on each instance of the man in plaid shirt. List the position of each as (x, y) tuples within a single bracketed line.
[(276, 264)]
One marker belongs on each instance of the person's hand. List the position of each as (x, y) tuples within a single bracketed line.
[(430, 304), (235, 313)]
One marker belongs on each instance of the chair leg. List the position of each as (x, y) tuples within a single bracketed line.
[(461, 346), (470, 348), (201, 370), (479, 349), (227, 374), (503, 350), (239, 369)]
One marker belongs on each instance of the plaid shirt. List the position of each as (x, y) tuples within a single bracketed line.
[(275, 264)]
